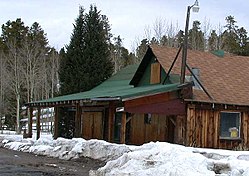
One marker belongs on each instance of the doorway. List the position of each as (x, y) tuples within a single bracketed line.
[(92, 125)]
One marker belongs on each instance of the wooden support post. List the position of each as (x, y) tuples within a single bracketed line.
[(123, 128), (111, 119), (180, 126), (38, 123), (30, 122), (77, 121), (56, 122)]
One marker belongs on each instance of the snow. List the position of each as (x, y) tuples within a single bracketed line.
[(154, 158)]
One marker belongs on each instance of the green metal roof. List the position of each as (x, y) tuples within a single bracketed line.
[(116, 87)]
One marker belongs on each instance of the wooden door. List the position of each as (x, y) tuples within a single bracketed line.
[(171, 129), (92, 125)]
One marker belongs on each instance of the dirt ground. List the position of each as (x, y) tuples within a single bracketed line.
[(19, 164)]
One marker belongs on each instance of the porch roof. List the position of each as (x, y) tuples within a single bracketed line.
[(117, 88)]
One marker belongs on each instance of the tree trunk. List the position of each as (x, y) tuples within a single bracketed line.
[(18, 129)]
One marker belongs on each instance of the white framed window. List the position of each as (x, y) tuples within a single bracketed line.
[(230, 123)]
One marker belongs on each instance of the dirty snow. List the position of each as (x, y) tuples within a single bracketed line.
[(154, 158)]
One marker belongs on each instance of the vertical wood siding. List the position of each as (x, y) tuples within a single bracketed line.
[(161, 128), (155, 75), (142, 132), (203, 129), (92, 125)]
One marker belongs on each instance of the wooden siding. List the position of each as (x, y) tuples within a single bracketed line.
[(92, 125), (155, 75), (142, 132), (165, 103), (161, 128), (77, 121), (203, 128)]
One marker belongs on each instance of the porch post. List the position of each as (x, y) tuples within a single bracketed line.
[(30, 121), (111, 122), (180, 130), (123, 128), (38, 125), (77, 121), (56, 122)]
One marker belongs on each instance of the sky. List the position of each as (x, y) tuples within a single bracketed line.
[(128, 18)]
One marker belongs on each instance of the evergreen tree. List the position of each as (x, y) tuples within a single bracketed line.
[(243, 42), (25, 52), (179, 38), (120, 55), (14, 30), (213, 41), (141, 50), (87, 60), (196, 37), (153, 41), (164, 40), (13, 34), (230, 39), (37, 36)]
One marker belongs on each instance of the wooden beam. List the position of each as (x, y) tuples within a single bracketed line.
[(77, 121), (153, 99), (128, 119), (172, 120), (56, 123), (171, 107), (111, 119), (30, 121), (188, 126), (123, 128), (179, 129), (38, 125)]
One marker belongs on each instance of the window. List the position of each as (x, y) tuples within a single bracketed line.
[(147, 118), (230, 124)]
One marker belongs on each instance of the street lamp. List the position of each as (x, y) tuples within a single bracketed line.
[(195, 8)]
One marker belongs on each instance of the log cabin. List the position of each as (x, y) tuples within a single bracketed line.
[(147, 102)]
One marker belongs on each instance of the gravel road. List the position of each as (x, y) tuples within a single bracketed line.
[(15, 163)]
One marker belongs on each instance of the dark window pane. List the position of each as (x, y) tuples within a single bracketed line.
[(229, 124)]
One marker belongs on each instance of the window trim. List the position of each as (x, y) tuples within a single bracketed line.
[(239, 127)]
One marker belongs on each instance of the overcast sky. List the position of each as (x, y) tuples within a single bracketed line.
[(128, 18)]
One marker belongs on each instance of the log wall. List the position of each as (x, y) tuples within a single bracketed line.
[(203, 128), (161, 128), (141, 132)]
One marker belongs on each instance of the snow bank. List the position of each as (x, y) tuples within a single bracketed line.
[(65, 148), (155, 158)]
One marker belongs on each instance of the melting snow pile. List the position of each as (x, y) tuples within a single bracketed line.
[(67, 148), (155, 158)]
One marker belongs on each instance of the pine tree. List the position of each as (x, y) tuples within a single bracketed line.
[(86, 62), (13, 34), (141, 50), (230, 39), (24, 50), (196, 37), (213, 41), (243, 42), (179, 38), (120, 55)]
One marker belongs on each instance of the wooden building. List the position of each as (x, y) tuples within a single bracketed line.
[(147, 103)]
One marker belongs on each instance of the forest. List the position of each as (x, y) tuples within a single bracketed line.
[(31, 69)]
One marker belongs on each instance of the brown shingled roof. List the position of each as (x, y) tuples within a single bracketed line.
[(225, 78)]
